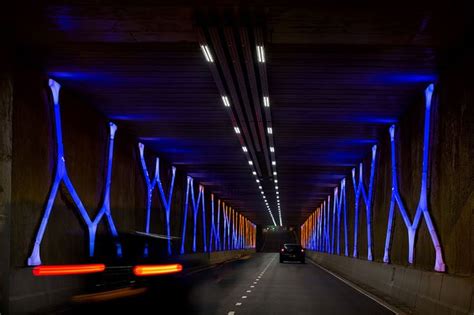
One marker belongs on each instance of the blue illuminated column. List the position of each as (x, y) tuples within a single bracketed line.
[(320, 225), (224, 226), (359, 189), (333, 230), (166, 201), (214, 235), (61, 176), (340, 201), (324, 226), (185, 218), (422, 208), (328, 225), (219, 246), (315, 231), (195, 205), (150, 185)]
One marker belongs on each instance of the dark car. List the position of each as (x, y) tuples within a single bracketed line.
[(292, 252)]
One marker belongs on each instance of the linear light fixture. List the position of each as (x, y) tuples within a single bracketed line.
[(250, 163), (260, 54), (245, 149), (225, 100), (270, 130), (272, 149), (254, 173), (274, 163), (237, 130), (266, 101), (207, 53), (67, 270)]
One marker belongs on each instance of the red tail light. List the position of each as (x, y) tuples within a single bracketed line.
[(154, 270), (65, 270)]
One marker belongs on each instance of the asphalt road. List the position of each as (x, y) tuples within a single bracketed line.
[(261, 285), (255, 285)]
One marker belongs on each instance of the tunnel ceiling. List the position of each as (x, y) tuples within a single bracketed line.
[(336, 77)]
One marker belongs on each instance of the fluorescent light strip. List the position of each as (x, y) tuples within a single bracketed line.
[(207, 53), (260, 54), (225, 100), (272, 149), (266, 101), (270, 130), (245, 149), (236, 129)]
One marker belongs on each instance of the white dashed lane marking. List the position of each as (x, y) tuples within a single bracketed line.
[(253, 286)]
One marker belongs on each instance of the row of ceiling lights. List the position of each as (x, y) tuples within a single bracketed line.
[(266, 103)]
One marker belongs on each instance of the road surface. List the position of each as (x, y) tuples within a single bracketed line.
[(262, 285)]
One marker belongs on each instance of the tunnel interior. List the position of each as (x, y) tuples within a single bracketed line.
[(159, 156)]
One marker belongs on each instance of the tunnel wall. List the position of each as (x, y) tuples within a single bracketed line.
[(450, 200), (85, 138), (6, 111)]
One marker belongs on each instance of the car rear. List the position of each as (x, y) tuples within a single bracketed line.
[(292, 252)]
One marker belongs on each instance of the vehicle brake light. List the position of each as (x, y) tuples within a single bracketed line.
[(65, 270), (154, 270)]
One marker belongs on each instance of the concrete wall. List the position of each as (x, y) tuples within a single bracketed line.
[(6, 109), (85, 138), (413, 290)]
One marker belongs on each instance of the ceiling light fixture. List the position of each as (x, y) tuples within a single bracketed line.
[(266, 101), (260, 54), (225, 100), (207, 53)]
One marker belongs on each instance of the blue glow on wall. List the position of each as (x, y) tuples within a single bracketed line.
[(359, 189), (195, 205), (61, 176), (422, 208), (397, 78)]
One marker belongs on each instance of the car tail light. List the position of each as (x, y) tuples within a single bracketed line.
[(65, 270), (154, 270)]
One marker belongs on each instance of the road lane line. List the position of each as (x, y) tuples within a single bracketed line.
[(252, 286), (371, 296)]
